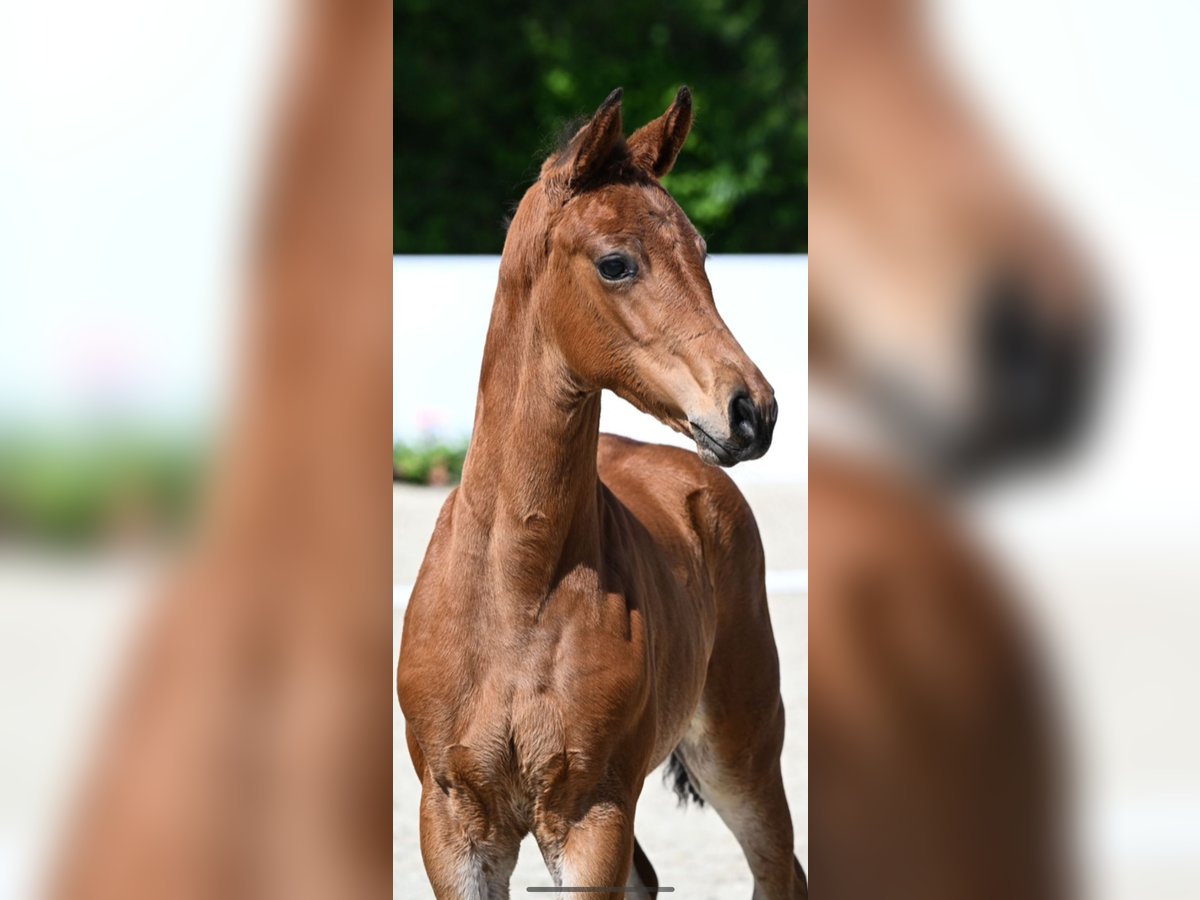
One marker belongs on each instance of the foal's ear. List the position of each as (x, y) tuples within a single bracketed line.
[(591, 148), (655, 146)]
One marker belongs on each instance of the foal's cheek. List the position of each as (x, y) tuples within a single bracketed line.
[(641, 316)]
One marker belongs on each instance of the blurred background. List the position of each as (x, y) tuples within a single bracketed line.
[(1090, 103), (124, 218), (132, 153), (1094, 102)]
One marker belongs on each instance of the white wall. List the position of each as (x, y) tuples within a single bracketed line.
[(440, 318)]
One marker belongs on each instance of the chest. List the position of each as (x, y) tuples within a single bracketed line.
[(611, 655)]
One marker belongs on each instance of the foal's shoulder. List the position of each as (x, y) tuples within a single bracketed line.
[(616, 452), (669, 470), (672, 491)]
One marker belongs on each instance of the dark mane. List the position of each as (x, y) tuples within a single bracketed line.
[(619, 168)]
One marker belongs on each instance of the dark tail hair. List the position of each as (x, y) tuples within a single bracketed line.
[(676, 775)]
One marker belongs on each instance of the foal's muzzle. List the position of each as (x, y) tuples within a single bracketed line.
[(748, 430)]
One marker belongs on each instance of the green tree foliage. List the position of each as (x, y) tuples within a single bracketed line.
[(483, 90)]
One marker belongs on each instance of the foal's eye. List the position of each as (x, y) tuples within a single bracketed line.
[(616, 267)]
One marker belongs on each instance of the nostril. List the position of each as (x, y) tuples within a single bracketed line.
[(743, 417), (1028, 368), (1010, 338)]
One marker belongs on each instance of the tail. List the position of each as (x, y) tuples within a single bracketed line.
[(644, 872), (676, 775), (801, 878)]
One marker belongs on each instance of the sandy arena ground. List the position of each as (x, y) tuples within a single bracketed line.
[(690, 848)]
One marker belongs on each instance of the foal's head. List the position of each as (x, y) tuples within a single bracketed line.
[(614, 273)]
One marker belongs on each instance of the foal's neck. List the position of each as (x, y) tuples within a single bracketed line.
[(529, 489)]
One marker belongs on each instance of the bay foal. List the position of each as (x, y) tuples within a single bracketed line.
[(590, 605)]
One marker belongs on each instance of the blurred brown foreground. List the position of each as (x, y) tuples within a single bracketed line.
[(248, 751), (954, 334)]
